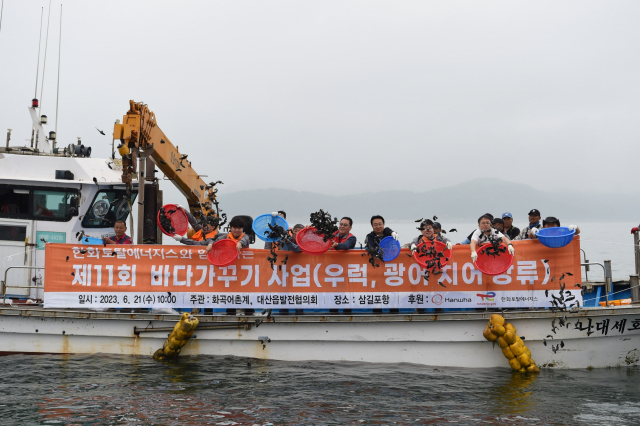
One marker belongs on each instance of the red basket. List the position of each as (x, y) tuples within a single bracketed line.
[(439, 246), (223, 253), (493, 265), (312, 243), (179, 220)]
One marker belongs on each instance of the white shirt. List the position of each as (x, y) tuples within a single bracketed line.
[(481, 238)]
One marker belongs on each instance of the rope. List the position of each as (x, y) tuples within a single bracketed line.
[(611, 294)]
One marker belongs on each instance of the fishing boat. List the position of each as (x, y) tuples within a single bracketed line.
[(53, 200)]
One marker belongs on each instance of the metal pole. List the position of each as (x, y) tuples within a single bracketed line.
[(636, 241), (607, 278), (141, 172), (8, 137), (634, 281)]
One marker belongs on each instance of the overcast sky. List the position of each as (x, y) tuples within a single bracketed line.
[(346, 96)]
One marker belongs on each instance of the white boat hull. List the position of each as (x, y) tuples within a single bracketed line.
[(448, 340)]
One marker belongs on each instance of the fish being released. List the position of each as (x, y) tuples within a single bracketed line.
[(513, 348), (182, 331)]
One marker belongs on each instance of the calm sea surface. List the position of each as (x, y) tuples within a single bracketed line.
[(202, 390)]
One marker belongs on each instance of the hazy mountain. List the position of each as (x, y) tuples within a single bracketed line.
[(466, 201)]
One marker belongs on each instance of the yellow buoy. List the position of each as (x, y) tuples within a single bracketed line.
[(496, 319), (182, 331), (513, 348), (513, 363)]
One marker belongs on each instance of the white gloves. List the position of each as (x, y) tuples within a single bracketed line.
[(534, 231), (449, 245), (572, 227), (511, 250), (413, 247), (274, 214), (394, 235), (474, 256), (177, 237), (180, 206)]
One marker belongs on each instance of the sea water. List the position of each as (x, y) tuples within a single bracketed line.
[(206, 390), (599, 240)]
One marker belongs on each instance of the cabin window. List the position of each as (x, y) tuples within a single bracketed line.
[(14, 202), (54, 204), (107, 207), (13, 233)]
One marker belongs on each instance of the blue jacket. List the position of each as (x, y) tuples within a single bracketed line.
[(386, 233)]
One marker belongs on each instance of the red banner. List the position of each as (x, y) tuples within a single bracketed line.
[(181, 277)]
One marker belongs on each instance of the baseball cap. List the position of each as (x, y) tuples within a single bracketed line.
[(534, 212), (550, 219), (497, 220), (437, 225), (507, 214)]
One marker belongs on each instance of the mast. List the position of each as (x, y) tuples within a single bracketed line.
[(35, 94), (53, 146), (44, 65)]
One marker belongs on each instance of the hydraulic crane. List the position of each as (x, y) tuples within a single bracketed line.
[(142, 142)]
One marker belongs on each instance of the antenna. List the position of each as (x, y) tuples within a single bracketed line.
[(58, 90), (35, 94), (44, 65), (1, 13)]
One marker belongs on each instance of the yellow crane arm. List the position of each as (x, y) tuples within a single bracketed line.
[(140, 132)]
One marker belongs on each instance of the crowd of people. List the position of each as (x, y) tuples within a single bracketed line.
[(489, 228)]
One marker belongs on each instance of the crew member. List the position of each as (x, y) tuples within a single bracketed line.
[(342, 238), (236, 234), (373, 239), (282, 214), (468, 239), (509, 230), (534, 223), (292, 245), (498, 224), (207, 229), (379, 231), (120, 228), (484, 234), (428, 234), (552, 222)]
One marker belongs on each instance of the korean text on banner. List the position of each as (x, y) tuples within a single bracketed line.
[(146, 276)]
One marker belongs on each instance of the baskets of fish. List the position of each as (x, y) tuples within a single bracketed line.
[(312, 243), (223, 253), (390, 248), (265, 224), (493, 260), (432, 254), (172, 220), (555, 237)]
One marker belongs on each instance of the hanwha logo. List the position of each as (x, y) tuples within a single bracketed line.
[(437, 299)]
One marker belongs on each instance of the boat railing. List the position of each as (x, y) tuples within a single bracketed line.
[(606, 267), (4, 282)]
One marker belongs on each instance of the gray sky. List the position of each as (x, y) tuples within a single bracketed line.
[(346, 96)]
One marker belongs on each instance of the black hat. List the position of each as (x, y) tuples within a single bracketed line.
[(437, 225), (497, 220), (534, 212), (550, 219)]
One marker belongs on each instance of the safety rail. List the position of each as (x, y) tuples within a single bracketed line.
[(5, 286), (607, 276)]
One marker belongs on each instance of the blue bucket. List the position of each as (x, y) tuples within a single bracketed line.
[(261, 225), (555, 237), (92, 241), (390, 247)]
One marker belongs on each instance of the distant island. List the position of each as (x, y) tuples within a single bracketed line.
[(466, 201)]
